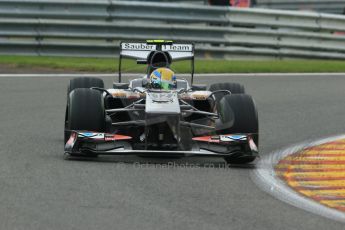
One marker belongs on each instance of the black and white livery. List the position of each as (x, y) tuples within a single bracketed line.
[(135, 118)]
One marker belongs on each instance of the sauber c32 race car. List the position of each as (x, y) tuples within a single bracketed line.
[(160, 114)]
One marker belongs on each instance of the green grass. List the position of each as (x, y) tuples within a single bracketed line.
[(106, 65)]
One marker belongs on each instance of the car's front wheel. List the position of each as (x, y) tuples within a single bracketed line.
[(85, 111), (238, 115)]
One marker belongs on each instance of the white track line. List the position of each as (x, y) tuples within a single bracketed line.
[(266, 179), (182, 75)]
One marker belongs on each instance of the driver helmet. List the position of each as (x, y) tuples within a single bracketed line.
[(163, 78)]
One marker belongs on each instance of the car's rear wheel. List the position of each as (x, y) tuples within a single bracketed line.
[(85, 111), (234, 88), (238, 115), (84, 82)]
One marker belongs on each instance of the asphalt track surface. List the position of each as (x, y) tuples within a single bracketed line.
[(40, 190)]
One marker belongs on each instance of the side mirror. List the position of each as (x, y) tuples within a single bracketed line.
[(120, 85), (139, 89), (199, 87)]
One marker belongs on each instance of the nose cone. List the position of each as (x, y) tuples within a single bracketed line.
[(162, 103)]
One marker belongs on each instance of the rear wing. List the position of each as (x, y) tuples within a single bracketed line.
[(141, 50)]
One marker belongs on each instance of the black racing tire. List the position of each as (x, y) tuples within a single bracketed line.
[(77, 83), (84, 82), (238, 114), (85, 111), (234, 88)]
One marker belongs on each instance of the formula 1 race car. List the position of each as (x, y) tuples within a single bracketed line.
[(160, 114)]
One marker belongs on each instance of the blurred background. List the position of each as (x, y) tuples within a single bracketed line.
[(221, 29)]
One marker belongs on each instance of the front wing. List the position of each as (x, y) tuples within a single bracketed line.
[(83, 143)]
